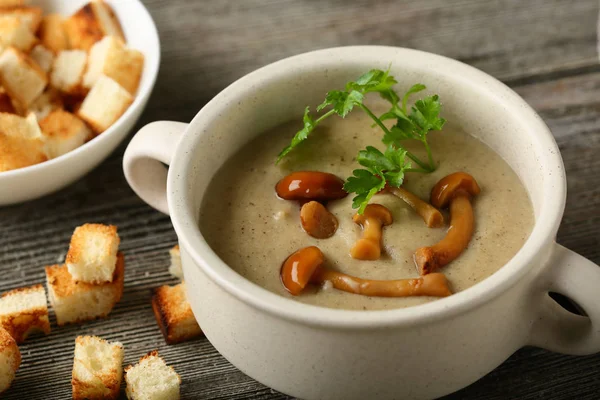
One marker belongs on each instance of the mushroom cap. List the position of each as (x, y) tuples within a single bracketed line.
[(298, 269), (311, 185), (450, 185), (374, 211)]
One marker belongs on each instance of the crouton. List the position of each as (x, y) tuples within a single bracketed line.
[(15, 33), (93, 253), (75, 302), (104, 104), (24, 311), (6, 103), (21, 142), (110, 57), (62, 133), (23, 78), (174, 314), (175, 267), (10, 359), (43, 57), (12, 3), (91, 23), (30, 16), (67, 71), (97, 369), (52, 33), (152, 379), (47, 102)]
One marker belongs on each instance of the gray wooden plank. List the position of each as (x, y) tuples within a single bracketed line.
[(546, 49)]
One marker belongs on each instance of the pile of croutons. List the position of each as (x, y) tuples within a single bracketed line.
[(87, 287), (63, 80)]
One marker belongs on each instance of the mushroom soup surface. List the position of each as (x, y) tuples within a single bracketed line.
[(254, 231)]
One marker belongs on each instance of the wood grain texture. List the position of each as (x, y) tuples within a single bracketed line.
[(546, 50)]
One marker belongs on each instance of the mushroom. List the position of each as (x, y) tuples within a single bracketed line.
[(456, 190), (311, 185), (306, 266), (375, 217), (317, 221), (432, 216)]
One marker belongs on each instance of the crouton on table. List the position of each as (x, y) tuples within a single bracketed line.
[(152, 379), (52, 33), (64, 132), (91, 23), (67, 71), (104, 104), (10, 359), (174, 314), (175, 267), (24, 311), (97, 369), (93, 252), (81, 301), (22, 77)]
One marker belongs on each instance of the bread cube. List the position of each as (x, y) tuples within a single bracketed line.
[(152, 379), (97, 369), (174, 314), (6, 103), (52, 33), (30, 16), (21, 142), (10, 359), (12, 3), (110, 57), (24, 311), (93, 253), (15, 33), (75, 302), (47, 102), (104, 104), (23, 78), (91, 23), (175, 267), (64, 132), (67, 71), (43, 57)]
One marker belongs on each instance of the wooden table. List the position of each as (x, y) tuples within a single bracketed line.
[(545, 49)]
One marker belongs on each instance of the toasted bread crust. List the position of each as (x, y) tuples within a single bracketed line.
[(111, 380), (78, 244), (18, 152), (84, 28), (171, 310), (8, 348), (21, 324), (31, 15), (52, 33), (63, 285)]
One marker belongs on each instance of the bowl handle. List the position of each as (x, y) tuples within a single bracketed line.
[(151, 147), (555, 328)]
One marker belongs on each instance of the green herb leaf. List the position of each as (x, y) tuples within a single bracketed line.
[(414, 89), (365, 184), (380, 168), (426, 115), (301, 135), (342, 102)]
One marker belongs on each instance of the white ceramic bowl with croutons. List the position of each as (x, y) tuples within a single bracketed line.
[(37, 180)]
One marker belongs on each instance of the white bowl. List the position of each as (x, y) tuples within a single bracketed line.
[(41, 179)]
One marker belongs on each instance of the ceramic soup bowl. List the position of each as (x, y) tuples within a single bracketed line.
[(420, 352)]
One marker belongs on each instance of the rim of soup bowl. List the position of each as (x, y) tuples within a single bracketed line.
[(183, 213)]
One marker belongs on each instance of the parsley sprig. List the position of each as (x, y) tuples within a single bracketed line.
[(388, 167)]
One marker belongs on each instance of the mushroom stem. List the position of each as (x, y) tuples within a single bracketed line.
[(432, 216), (435, 285), (375, 217), (306, 266), (456, 190)]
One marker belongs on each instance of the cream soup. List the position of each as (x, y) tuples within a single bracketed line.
[(254, 231)]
